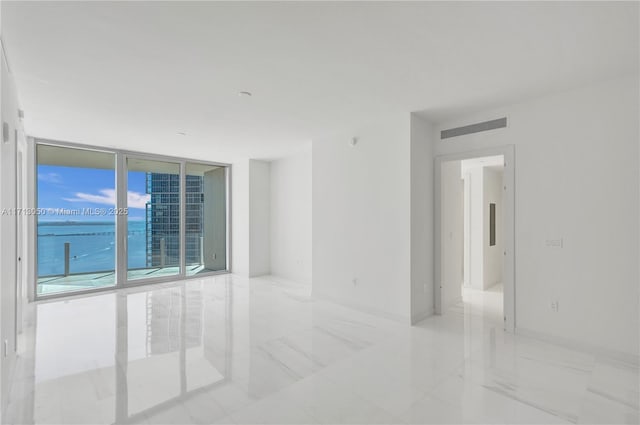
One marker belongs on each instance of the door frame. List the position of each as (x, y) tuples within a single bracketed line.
[(19, 242), (122, 226), (509, 264)]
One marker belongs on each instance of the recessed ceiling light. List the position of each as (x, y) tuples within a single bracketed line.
[(244, 94)]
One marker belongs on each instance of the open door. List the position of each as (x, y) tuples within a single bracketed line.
[(448, 275)]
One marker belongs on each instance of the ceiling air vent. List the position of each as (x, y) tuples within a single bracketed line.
[(474, 128)]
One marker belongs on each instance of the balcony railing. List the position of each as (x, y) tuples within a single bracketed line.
[(163, 261)]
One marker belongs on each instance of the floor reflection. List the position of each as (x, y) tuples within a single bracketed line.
[(165, 360), (123, 357)]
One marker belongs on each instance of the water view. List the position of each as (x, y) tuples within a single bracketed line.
[(77, 196), (92, 246)]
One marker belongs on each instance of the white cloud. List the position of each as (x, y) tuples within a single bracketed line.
[(50, 177), (137, 200), (108, 197)]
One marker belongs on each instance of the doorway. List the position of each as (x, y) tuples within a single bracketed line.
[(474, 233)]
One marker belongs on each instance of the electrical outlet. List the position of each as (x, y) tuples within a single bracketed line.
[(5, 350), (215, 255), (555, 306), (554, 243)]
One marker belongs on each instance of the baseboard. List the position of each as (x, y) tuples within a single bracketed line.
[(455, 301), (283, 281), (363, 309), (581, 346), (289, 279), (419, 317)]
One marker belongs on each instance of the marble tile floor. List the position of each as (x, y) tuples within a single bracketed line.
[(225, 349)]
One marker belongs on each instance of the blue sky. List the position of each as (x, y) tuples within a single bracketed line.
[(78, 188)]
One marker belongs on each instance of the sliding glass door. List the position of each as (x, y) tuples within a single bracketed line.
[(75, 219), (110, 218), (153, 220)]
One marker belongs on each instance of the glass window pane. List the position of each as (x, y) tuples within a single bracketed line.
[(153, 220), (76, 219), (206, 221)]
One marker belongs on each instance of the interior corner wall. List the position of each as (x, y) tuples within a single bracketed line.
[(291, 217), (361, 230), (240, 217), (452, 233), (11, 133), (250, 217), (259, 218), (422, 180), (576, 153)]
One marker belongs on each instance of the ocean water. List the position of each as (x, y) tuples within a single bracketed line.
[(92, 246)]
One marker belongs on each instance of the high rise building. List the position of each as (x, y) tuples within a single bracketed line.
[(163, 219)]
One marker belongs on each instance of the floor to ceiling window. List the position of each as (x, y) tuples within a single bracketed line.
[(164, 218), (75, 221), (153, 239)]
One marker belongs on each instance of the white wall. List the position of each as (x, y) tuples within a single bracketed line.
[(373, 218), (422, 294), (451, 237), (240, 217), (8, 224), (291, 217), (475, 250), (492, 255), (259, 218), (576, 154), (361, 217), (250, 217)]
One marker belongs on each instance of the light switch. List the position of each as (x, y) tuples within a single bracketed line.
[(554, 243)]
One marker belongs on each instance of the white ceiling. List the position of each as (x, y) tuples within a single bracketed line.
[(133, 75)]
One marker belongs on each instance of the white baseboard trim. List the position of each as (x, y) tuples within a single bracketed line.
[(363, 309), (300, 280), (419, 317), (286, 279), (581, 346)]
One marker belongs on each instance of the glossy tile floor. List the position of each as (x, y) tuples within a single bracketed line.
[(228, 350)]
